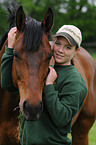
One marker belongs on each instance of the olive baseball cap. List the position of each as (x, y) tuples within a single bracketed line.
[(71, 33)]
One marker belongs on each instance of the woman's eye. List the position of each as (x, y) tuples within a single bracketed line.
[(57, 43), (68, 47)]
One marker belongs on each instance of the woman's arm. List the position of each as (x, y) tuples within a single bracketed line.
[(62, 106), (6, 63), (6, 70)]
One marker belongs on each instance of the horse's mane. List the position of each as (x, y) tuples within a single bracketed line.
[(32, 35), (11, 10), (32, 32)]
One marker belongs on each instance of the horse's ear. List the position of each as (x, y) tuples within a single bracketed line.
[(48, 19), (20, 18)]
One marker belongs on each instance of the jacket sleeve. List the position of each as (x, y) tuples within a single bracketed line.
[(6, 70), (64, 105)]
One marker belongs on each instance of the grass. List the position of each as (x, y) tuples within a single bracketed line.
[(92, 135)]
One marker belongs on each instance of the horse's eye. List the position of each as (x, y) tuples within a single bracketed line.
[(16, 54), (49, 56)]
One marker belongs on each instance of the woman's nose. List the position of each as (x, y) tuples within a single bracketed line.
[(61, 49)]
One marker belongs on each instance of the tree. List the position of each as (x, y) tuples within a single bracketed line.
[(3, 24), (80, 13)]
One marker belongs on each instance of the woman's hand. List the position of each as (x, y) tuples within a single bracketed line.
[(51, 76), (11, 37), (52, 61)]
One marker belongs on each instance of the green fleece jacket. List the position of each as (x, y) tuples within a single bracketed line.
[(61, 102)]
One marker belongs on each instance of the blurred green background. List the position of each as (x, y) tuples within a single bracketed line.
[(81, 13)]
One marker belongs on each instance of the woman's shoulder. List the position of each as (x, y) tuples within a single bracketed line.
[(67, 71), (76, 79), (71, 74), (75, 75)]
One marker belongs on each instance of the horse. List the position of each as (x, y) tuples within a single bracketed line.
[(86, 117), (31, 56), (8, 103)]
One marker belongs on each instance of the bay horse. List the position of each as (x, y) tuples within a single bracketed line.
[(31, 57), (32, 54)]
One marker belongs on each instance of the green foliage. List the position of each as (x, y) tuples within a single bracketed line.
[(93, 54), (77, 12), (3, 23)]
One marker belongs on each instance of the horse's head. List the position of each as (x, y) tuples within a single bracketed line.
[(32, 53)]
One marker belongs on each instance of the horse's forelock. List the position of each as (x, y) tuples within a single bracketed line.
[(32, 35)]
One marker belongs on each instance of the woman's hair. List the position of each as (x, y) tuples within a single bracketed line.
[(72, 61), (77, 47)]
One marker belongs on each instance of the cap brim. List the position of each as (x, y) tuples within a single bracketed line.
[(68, 37)]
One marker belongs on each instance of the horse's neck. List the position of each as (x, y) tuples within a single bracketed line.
[(7, 100), (8, 103)]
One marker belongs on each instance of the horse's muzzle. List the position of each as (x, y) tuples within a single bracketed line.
[(31, 112)]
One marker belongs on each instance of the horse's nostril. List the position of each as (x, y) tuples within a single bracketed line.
[(25, 105)]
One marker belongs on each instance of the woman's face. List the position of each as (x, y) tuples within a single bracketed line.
[(63, 51)]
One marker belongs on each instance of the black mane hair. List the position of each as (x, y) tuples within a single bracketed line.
[(32, 35), (32, 32), (11, 10)]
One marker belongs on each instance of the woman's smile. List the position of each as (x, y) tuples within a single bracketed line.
[(59, 55), (63, 51)]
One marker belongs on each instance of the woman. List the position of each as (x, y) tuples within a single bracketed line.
[(64, 90)]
